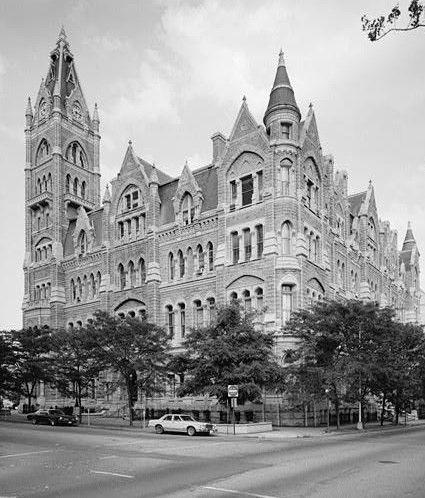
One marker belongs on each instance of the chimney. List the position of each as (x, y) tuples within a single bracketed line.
[(219, 145)]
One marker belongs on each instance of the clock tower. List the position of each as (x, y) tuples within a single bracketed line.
[(61, 178)]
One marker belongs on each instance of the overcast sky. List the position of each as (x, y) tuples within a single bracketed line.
[(168, 74)]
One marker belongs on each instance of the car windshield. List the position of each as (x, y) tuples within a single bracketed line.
[(187, 417)]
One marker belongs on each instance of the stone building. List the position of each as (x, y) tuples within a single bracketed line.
[(269, 221)]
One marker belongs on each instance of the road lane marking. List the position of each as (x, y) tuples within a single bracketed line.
[(104, 458), (236, 492), (111, 474), (25, 454)]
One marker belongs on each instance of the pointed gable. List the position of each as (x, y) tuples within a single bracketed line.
[(131, 164), (309, 128), (244, 124), (187, 184)]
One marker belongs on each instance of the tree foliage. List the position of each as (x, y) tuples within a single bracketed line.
[(228, 351), (32, 361), (379, 27), (7, 360), (352, 350), (77, 363), (136, 349)]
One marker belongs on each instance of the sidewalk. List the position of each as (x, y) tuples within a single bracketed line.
[(278, 433)]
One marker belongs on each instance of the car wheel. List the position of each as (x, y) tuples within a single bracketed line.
[(159, 429), (191, 431), (52, 422), (34, 421)]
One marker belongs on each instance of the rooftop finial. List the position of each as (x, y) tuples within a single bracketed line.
[(28, 111), (409, 225), (130, 143), (244, 98), (310, 105), (107, 195), (281, 58), (62, 35)]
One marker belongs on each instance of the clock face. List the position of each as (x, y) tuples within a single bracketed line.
[(76, 112), (43, 109)]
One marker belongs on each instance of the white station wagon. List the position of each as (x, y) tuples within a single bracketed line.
[(181, 423)]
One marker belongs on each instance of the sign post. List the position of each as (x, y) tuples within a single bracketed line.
[(233, 393)]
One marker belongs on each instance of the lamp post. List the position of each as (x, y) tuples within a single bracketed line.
[(328, 409), (360, 421)]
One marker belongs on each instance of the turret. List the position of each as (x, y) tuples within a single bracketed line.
[(28, 113), (282, 116)]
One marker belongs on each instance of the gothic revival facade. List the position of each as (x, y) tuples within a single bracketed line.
[(268, 221)]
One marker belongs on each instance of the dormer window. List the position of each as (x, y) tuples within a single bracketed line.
[(188, 210), (285, 130), (76, 155), (131, 199)]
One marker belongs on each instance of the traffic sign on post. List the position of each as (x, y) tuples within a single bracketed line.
[(232, 391)]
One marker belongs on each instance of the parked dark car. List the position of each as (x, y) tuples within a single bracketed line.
[(52, 417)]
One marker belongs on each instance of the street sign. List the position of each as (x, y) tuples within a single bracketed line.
[(232, 391)]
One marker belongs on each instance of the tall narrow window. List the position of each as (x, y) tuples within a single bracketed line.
[(137, 225), (247, 300), (247, 244), (143, 223), (287, 304), (247, 190), (211, 309), (121, 276), (83, 190), (259, 297), (233, 194), (198, 314), (171, 266), (201, 260), (121, 229), (286, 238), (260, 240), (142, 271), (210, 252), (181, 263), (170, 321), (188, 211), (285, 170), (75, 188), (132, 274), (285, 130), (83, 243), (260, 185), (98, 282), (182, 308), (235, 247), (135, 199)]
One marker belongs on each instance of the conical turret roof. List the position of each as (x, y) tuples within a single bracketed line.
[(282, 94), (409, 239)]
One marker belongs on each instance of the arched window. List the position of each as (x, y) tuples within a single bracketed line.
[(79, 289), (260, 299), (83, 190), (233, 296), (130, 199), (73, 290), (200, 256), (44, 184), (182, 319), (181, 264), (247, 300), (171, 266), (210, 253), (75, 188), (49, 182), (121, 276), (98, 282), (43, 151), (211, 309), (285, 175), (39, 187), (188, 211), (169, 320), (76, 155), (142, 271), (287, 302), (198, 314), (85, 289), (286, 239), (92, 287), (68, 183), (131, 274), (83, 242)]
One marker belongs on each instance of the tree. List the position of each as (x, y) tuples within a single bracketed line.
[(32, 361), (76, 362), (136, 349), (228, 351), (337, 348), (6, 364), (380, 26)]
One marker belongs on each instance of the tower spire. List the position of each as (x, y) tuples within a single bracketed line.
[(409, 239), (282, 94)]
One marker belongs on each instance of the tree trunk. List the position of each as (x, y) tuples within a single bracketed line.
[(314, 413), (338, 426), (383, 410), (80, 408), (305, 415), (130, 404), (397, 412)]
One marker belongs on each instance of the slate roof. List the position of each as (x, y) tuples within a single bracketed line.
[(207, 181), (162, 177), (96, 218), (356, 201)]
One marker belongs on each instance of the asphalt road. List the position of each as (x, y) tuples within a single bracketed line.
[(44, 461)]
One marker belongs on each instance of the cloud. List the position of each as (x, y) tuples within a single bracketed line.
[(2, 70), (102, 44)]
